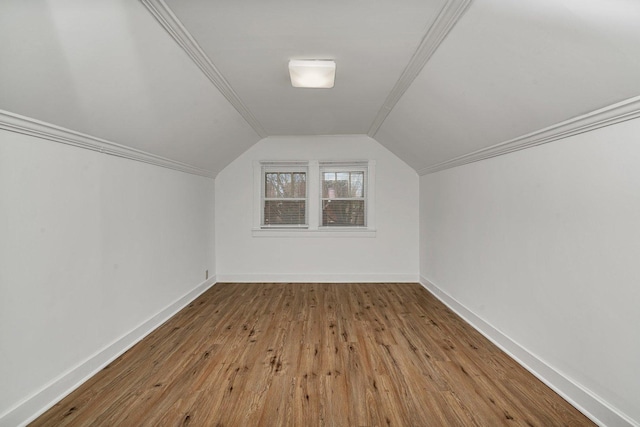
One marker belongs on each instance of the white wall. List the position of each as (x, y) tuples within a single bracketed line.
[(392, 255), (92, 247), (544, 245)]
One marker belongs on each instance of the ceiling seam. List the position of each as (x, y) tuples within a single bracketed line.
[(170, 22), (36, 128), (447, 18), (628, 109)]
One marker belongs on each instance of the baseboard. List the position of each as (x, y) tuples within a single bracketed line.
[(36, 404), (587, 402), (318, 278)]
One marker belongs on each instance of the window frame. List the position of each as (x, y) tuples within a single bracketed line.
[(341, 167), (283, 167), (313, 209)]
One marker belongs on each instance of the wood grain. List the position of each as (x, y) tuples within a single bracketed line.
[(314, 355)]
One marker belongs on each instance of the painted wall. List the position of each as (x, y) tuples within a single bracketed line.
[(392, 255), (91, 247), (543, 245)]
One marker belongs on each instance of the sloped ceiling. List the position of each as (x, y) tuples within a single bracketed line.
[(107, 69), (200, 81), (511, 68)]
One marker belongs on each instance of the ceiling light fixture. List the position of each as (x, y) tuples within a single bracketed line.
[(314, 73)]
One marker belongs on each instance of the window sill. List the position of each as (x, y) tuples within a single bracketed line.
[(323, 232)]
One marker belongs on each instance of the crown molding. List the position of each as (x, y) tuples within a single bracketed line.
[(449, 15), (622, 111), (39, 129), (170, 22)]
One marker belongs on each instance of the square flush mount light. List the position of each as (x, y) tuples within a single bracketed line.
[(319, 74)]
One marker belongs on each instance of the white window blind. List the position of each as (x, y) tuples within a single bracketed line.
[(284, 195)]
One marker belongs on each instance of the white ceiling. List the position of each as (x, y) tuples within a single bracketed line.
[(107, 69), (111, 69), (251, 42), (511, 68)]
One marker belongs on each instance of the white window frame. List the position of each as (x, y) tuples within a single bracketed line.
[(284, 167), (313, 209), (338, 167)]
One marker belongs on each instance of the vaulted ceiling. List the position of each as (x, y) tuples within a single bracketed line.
[(200, 81)]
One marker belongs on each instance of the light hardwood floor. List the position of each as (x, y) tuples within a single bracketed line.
[(314, 355)]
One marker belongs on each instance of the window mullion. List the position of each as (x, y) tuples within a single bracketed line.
[(313, 190)]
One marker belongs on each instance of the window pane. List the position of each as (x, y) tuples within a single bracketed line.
[(349, 213), (342, 184), (328, 185), (342, 176), (270, 187), (357, 184), (284, 180), (299, 185), (328, 191), (285, 185), (284, 212)]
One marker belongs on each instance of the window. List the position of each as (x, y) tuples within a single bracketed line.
[(343, 196), (284, 195), (314, 198)]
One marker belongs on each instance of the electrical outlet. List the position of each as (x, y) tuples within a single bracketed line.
[(206, 274)]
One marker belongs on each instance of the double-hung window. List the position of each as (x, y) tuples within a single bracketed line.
[(284, 195), (314, 198), (344, 195)]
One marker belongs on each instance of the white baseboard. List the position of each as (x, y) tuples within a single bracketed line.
[(36, 404), (318, 278), (587, 402)]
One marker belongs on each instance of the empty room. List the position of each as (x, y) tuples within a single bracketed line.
[(320, 213)]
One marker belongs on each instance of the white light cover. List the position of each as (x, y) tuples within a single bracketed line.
[(319, 74)]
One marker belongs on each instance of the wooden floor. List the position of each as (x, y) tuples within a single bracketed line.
[(314, 355)]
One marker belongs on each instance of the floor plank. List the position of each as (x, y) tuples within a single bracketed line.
[(314, 355)]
